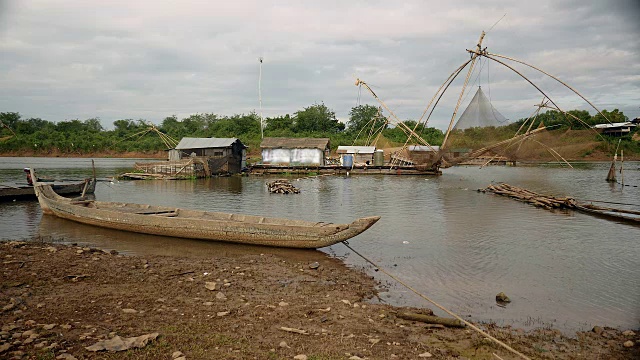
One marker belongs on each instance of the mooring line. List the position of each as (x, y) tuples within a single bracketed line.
[(436, 304)]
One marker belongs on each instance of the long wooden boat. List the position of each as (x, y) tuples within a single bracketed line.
[(197, 224), (631, 216), (26, 191)]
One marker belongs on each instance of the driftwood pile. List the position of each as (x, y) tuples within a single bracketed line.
[(543, 201), (282, 186)]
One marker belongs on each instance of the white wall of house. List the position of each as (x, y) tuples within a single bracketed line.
[(293, 156)]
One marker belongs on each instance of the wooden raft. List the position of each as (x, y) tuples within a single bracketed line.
[(550, 203), (535, 199), (282, 186)]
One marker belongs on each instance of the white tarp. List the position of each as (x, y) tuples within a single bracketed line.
[(293, 156)]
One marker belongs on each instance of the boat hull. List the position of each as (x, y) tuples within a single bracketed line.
[(194, 224)]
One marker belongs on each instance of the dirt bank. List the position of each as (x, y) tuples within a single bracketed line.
[(60, 299)]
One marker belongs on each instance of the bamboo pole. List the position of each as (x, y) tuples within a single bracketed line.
[(555, 78), (466, 81)]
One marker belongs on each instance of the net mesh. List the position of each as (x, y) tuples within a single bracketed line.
[(480, 113)]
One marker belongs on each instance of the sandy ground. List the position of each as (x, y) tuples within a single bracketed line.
[(57, 300)]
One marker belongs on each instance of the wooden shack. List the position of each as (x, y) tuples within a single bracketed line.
[(222, 155), (294, 151), (360, 154), (422, 155)]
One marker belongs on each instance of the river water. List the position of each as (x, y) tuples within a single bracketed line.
[(460, 247)]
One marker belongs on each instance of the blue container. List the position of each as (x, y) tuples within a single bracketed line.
[(347, 161)]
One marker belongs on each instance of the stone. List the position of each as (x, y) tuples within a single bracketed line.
[(628, 333), (221, 296), (300, 357), (283, 344), (28, 333), (129, 311), (314, 265), (628, 344), (282, 303), (176, 354), (121, 344), (210, 285), (222, 313), (29, 322), (49, 326), (66, 326), (425, 355), (181, 358), (4, 347), (597, 330), (502, 297), (65, 356)]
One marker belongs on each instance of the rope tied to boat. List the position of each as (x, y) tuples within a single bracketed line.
[(483, 333)]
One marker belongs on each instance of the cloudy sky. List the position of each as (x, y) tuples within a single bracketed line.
[(63, 60)]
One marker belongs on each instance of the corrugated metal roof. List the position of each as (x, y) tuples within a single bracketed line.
[(423, 148), (614, 125), (295, 143), (205, 143), (356, 149)]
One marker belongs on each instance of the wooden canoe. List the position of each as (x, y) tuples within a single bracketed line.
[(197, 224)]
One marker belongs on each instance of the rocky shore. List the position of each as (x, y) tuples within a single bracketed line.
[(68, 302)]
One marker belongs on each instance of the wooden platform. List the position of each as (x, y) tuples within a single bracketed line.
[(263, 169)]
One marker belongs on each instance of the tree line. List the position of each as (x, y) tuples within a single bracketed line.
[(39, 136)]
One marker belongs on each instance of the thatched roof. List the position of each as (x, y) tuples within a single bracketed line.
[(294, 143)]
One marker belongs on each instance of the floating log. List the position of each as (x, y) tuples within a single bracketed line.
[(282, 186), (429, 319), (550, 203), (535, 199)]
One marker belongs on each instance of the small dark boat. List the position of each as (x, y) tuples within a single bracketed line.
[(26, 191), (197, 224)]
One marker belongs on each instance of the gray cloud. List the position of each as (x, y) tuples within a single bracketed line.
[(119, 59)]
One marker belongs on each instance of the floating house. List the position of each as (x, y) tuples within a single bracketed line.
[(356, 155), (295, 151), (223, 155), (196, 157)]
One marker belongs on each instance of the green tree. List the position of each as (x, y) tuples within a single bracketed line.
[(317, 118), (279, 123), (365, 118)]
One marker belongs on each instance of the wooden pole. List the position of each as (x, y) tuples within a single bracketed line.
[(429, 319), (622, 166), (466, 82)]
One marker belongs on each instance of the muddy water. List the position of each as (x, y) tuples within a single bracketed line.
[(460, 247)]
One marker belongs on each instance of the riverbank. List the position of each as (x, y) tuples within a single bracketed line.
[(160, 155), (61, 299)]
